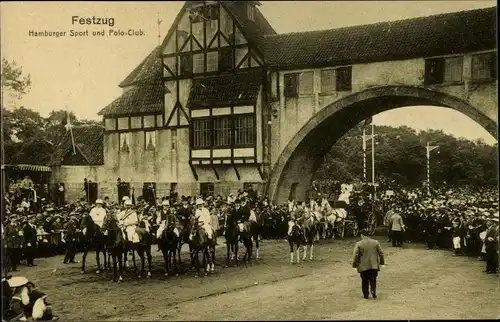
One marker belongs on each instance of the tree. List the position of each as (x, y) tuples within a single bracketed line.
[(14, 84)]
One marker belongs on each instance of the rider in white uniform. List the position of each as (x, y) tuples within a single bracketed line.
[(204, 218), (98, 213), (129, 220)]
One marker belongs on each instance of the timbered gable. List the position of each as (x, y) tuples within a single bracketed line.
[(197, 41)]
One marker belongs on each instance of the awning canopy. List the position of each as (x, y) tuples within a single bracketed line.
[(27, 167)]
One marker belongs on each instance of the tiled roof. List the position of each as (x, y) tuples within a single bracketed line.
[(253, 30), (226, 89), (150, 68), (442, 34), (142, 98), (89, 141)]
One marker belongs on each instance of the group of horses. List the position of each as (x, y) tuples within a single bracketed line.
[(115, 247), (317, 222)]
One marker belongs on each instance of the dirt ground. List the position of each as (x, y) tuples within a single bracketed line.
[(416, 284)]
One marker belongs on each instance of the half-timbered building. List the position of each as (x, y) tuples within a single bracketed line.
[(216, 105)]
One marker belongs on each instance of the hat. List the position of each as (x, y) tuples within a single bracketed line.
[(128, 202), (165, 203), (125, 198), (99, 201), (199, 201), (17, 281)]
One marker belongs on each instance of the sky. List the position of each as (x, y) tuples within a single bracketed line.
[(82, 74)]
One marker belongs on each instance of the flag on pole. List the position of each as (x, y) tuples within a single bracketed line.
[(69, 128)]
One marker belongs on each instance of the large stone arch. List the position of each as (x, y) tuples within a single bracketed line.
[(304, 153)]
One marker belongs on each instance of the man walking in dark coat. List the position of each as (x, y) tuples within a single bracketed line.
[(12, 243), (70, 237), (368, 258), (30, 241)]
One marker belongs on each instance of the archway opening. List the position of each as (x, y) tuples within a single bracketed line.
[(306, 151)]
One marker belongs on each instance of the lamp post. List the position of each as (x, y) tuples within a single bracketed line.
[(428, 149), (366, 138)]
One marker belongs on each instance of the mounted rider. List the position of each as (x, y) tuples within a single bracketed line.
[(98, 213), (297, 217), (129, 220), (204, 218), (166, 219)]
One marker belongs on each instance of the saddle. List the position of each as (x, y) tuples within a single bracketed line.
[(244, 227)]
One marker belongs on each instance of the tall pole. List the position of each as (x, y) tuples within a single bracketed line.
[(373, 154), (428, 149), (364, 154), (158, 22)]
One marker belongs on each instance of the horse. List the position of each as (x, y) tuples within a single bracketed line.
[(168, 239), (295, 238), (91, 236), (199, 241), (231, 234), (331, 217), (141, 244), (310, 228), (115, 244), (256, 224)]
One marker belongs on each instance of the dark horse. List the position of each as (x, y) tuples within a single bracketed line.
[(232, 235), (199, 241), (92, 237), (142, 247), (185, 231), (297, 239), (168, 242), (115, 244)]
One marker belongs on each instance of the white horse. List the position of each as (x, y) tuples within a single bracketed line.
[(331, 217)]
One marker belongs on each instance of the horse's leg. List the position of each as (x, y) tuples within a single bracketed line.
[(311, 248), (178, 249), (206, 261), (120, 253), (304, 248), (196, 264), (291, 250), (133, 249), (114, 267), (228, 249), (98, 260), (298, 253), (150, 259), (85, 251), (257, 246), (212, 250), (236, 252)]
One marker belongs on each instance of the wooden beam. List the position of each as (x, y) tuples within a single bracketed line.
[(216, 174), (194, 171), (260, 172), (237, 173)]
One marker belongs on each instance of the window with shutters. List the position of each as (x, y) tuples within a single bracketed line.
[(244, 130), (484, 67), (199, 63), (226, 59), (306, 83), (222, 131), (453, 69), (212, 61), (202, 133), (343, 78), (443, 70), (291, 84), (186, 65), (327, 81)]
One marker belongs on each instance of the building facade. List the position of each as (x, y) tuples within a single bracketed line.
[(212, 109)]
